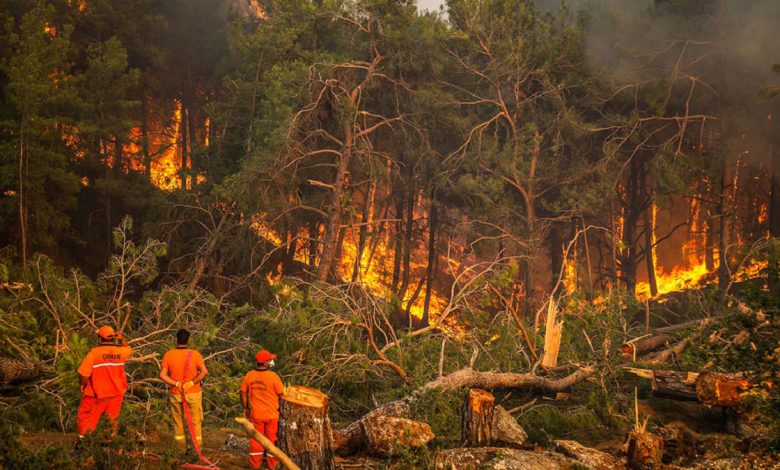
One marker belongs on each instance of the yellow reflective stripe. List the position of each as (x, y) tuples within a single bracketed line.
[(179, 438)]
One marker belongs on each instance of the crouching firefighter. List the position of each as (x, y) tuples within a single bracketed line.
[(183, 369), (260, 392), (103, 381)]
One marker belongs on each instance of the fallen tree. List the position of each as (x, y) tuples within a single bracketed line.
[(470, 378), (709, 388), (17, 371), (352, 439)]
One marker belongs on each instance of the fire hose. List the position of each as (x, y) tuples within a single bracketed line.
[(190, 425)]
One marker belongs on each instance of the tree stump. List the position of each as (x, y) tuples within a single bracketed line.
[(645, 451), (305, 433), (477, 429)]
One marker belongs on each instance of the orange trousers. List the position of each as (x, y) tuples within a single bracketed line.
[(91, 409), (268, 428)]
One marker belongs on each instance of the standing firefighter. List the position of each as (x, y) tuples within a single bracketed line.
[(260, 393), (103, 381), (184, 369)]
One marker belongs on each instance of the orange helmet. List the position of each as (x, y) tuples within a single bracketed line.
[(106, 332)]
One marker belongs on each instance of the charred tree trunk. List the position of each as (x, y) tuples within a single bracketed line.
[(774, 219), (183, 131), (709, 249), (145, 138), (650, 249), (313, 233), (723, 268), (365, 221), (305, 433), (433, 226), (192, 119), (477, 427), (407, 243), (398, 245), (556, 253), (333, 228)]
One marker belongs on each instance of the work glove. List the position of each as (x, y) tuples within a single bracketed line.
[(188, 385)]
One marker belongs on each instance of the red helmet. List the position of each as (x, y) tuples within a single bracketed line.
[(265, 356)]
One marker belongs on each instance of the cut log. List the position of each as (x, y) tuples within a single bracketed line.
[(17, 370), (710, 388), (500, 458), (591, 458), (507, 432), (675, 385), (721, 389), (645, 451), (477, 427), (386, 435), (634, 348), (305, 432)]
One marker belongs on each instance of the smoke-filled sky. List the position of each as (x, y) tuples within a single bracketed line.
[(429, 4)]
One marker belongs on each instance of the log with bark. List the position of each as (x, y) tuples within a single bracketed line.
[(645, 450), (381, 434), (14, 371), (709, 388), (632, 349), (477, 427), (353, 439), (507, 432), (470, 378), (305, 432), (499, 458), (590, 458)]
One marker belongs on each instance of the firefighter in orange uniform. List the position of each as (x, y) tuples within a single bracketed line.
[(103, 381), (184, 369), (260, 393)]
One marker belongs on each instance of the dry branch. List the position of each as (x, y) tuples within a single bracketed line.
[(470, 378)]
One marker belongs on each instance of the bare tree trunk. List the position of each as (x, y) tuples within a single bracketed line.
[(365, 222), (313, 238), (192, 119), (333, 228), (399, 226), (145, 138), (723, 269), (407, 244), (709, 249), (183, 132), (774, 221), (650, 249), (22, 195), (556, 253), (432, 227)]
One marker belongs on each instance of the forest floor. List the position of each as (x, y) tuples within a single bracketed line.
[(717, 453)]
